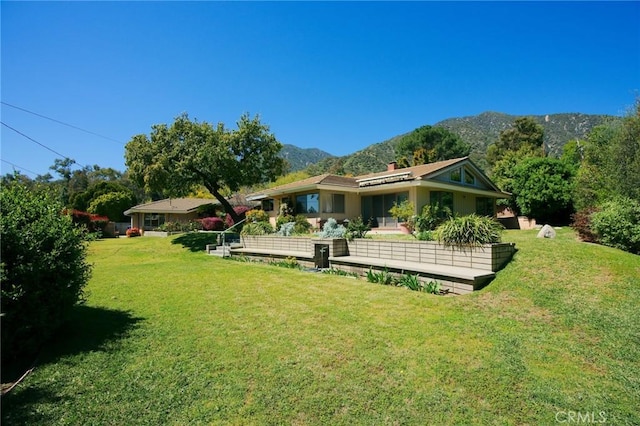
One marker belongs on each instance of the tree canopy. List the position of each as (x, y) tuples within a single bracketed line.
[(427, 144), (177, 158), (526, 136)]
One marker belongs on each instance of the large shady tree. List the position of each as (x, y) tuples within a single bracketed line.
[(178, 158)]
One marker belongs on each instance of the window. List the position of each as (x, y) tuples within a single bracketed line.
[(442, 199), (267, 205), (456, 175), (334, 203), (485, 206), (153, 220), (469, 179), (307, 203)]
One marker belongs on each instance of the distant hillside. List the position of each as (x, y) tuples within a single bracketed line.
[(479, 131), (301, 158)]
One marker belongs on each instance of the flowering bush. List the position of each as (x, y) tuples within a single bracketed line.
[(133, 232), (92, 222), (257, 216), (212, 224)]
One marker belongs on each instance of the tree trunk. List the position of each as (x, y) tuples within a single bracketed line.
[(225, 203)]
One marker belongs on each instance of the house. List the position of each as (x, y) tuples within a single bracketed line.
[(151, 215), (457, 184)]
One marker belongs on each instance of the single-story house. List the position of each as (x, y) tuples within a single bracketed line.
[(151, 215), (457, 184)]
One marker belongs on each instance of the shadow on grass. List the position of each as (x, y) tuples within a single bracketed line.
[(195, 241), (88, 329)]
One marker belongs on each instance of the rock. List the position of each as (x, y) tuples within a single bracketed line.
[(547, 232)]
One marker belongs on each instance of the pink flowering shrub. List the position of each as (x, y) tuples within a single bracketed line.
[(212, 224)]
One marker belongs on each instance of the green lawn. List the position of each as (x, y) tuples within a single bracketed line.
[(172, 336)]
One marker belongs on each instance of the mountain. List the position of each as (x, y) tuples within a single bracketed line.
[(301, 158), (479, 131)]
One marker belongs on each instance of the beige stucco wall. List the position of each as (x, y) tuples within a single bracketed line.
[(137, 219)]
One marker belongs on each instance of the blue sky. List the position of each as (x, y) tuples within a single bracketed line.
[(338, 76)]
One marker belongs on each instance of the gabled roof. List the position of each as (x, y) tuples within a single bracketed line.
[(171, 205), (422, 172)]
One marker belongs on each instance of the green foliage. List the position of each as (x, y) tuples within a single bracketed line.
[(180, 157), (409, 281), (289, 262), (617, 224), (402, 212), (286, 229), (340, 272), (471, 230), (611, 164), (356, 228), (543, 188), (43, 270), (428, 144), (432, 287), (431, 217), (383, 277), (425, 236), (207, 210), (302, 225), (331, 229), (299, 158), (257, 228), (82, 200), (525, 136), (112, 205)]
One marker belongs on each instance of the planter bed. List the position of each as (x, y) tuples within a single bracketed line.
[(461, 270)]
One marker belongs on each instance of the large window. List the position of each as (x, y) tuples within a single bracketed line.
[(484, 206), (267, 205), (153, 220), (333, 203), (376, 208), (307, 203), (443, 200)]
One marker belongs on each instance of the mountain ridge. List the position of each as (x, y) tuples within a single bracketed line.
[(479, 131)]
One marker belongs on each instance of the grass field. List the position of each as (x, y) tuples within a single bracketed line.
[(172, 336)]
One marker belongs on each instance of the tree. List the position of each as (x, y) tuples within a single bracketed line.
[(112, 205), (543, 188), (180, 157), (82, 200), (611, 162), (43, 270), (427, 144), (526, 136)]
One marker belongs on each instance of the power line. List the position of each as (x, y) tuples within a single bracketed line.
[(62, 122), (35, 141), (19, 167)]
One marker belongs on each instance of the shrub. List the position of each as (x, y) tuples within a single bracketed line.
[(133, 232), (282, 219), (471, 230), (617, 224), (432, 287), (356, 228), (331, 229), (257, 216), (410, 281), (43, 270), (402, 211), (302, 225), (431, 217), (257, 228), (286, 229), (212, 223), (581, 223), (112, 205)]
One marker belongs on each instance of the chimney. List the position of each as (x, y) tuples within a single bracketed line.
[(392, 166)]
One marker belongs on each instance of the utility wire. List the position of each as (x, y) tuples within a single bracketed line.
[(35, 141), (62, 122), (19, 167)]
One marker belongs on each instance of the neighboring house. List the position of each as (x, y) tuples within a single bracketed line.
[(151, 215), (458, 184)]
